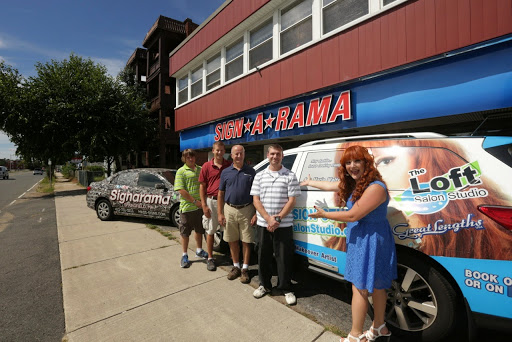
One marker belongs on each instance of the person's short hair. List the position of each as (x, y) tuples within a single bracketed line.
[(219, 144), (186, 153), (275, 147)]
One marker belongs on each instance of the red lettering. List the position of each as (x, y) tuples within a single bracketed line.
[(218, 132), (228, 129), (318, 112), (298, 116), (257, 126), (239, 128), (282, 118), (342, 108)]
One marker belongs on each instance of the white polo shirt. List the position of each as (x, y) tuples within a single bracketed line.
[(274, 189)]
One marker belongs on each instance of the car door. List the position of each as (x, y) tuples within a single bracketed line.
[(154, 195), (120, 188)]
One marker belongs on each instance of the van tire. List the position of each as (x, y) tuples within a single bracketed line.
[(104, 210), (438, 296)]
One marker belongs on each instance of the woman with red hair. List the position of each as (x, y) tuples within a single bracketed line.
[(371, 253)]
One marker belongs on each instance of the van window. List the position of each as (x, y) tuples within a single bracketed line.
[(396, 164), (321, 166), (287, 162)]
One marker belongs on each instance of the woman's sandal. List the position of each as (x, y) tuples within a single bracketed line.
[(373, 333), (354, 339)]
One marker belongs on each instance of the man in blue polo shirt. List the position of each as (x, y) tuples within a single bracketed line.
[(236, 211)]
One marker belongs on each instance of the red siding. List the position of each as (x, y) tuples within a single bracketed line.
[(416, 30), (227, 19)]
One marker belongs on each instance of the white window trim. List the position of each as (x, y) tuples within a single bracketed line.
[(375, 7)]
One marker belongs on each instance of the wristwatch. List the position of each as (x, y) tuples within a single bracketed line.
[(277, 218)]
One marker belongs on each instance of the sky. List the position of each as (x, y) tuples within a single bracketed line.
[(106, 31)]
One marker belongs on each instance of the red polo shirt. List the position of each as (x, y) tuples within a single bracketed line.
[(210, 175)]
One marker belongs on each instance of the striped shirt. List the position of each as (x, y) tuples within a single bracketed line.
[(188, 179), (274, 189)]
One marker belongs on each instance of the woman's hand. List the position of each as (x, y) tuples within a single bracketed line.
[(320, 213), (306, 181)]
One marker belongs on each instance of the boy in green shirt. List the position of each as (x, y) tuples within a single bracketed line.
[(191, 213)]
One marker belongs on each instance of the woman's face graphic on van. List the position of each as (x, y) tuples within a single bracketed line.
[(394, 163)]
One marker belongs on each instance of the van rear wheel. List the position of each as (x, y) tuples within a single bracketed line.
[(421, 303)]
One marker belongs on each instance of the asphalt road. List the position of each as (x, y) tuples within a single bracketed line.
[(31, 306), (19, 183)]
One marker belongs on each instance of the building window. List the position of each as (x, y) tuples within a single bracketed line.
[(387, 2), (296, 25), (213, 72), (337, 13), (234, 59), (197, 82), (260, 50), (183, 90)]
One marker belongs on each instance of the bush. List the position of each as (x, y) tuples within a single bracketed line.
[(96, 168), (68, 170)]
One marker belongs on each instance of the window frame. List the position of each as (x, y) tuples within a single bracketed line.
[(375, 8)]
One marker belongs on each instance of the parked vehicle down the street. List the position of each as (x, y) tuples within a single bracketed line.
[(136, 192), (4, 172), (38, 172)]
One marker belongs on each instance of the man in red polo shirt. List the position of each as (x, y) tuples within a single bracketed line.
[(209, 179)]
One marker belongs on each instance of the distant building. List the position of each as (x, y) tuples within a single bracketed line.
[(151, 66)]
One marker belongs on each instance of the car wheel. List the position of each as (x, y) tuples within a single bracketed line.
[(421, 303), (175, 215), (104, 210), (219, 245)]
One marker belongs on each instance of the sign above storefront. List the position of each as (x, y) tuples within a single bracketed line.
[(316, 112)]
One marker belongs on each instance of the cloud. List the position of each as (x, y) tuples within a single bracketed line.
[(7, 149), (113, 65)]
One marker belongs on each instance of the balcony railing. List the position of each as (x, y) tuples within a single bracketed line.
[(154, 67)]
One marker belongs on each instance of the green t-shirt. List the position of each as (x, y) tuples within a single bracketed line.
[(188, 179)]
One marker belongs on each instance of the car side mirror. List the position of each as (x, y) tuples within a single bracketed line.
[(160, 186)]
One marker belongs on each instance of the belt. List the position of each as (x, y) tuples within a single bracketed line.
[(213, 197), (238, 206)]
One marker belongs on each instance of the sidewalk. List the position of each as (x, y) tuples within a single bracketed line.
[(122, 282)]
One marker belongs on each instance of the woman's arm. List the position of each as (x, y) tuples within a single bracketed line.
[(372, 197), (322, 185)]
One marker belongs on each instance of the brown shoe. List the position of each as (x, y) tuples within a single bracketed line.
[(234, 273), (244, 278)]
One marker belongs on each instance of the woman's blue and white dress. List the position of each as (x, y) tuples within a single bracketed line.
[(371, 252)]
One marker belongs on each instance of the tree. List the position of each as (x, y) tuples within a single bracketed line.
[(74, 106), (10, 89)]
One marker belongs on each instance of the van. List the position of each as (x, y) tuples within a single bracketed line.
[(450, 211), (4, 172)]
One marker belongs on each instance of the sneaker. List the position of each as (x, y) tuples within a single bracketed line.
[(290, 298), (234, 273), (260, 292), (184, 262), (203, 254), (210, 265), (244, 278)]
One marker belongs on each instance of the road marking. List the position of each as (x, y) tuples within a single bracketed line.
[(23, 194), (11, 203), (40, 219)]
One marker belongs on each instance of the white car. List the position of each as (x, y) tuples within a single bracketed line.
[(4, 172), (38, 172)]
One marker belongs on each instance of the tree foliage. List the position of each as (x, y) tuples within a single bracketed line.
[(74, 106)]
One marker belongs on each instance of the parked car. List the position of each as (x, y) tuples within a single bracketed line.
[(38, 171), (136, 192), (4, 172), (450, 212)]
